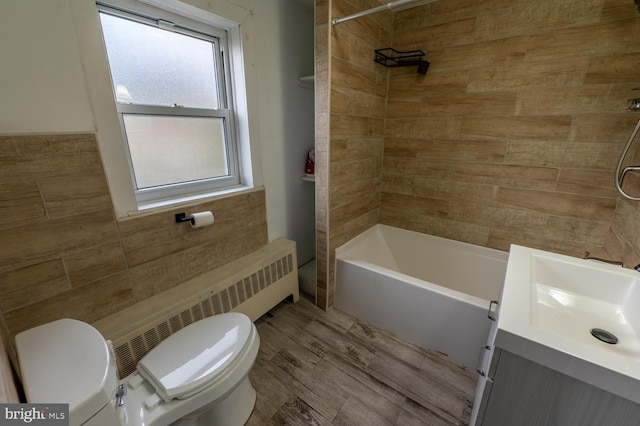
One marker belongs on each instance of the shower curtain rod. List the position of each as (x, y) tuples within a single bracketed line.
[(391, 5)]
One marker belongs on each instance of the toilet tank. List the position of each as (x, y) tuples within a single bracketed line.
[(68, 361)]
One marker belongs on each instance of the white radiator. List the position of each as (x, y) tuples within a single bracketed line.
[(252, 285)]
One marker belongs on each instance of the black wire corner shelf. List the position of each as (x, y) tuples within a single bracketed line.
[(390, 57)]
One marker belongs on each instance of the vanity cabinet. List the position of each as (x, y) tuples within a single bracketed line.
[(524, 393), (547, 369), (486, 367)]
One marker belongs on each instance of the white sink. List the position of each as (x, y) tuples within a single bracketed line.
[(551, 302)]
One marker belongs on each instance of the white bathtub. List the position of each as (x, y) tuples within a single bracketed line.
[(427, 290)]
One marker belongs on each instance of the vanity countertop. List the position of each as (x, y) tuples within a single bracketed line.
[(551, 302)]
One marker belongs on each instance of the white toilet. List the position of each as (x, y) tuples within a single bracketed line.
[(197, 376)]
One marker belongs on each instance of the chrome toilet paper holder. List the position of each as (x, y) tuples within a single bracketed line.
[(182, 217), (197, 220)]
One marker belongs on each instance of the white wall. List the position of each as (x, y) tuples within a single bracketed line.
[(286, 117), (41, 80), (52, 80)]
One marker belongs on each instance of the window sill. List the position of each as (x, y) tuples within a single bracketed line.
[(173, 203)]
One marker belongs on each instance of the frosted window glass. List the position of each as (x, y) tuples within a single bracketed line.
[(151, 66), (169, 149)]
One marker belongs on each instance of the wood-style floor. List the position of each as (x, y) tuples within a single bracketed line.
[(327, 368)]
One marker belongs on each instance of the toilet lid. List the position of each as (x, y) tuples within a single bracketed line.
[(193, 358), (67, 361)]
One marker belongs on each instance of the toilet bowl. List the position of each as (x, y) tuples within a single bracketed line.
[(196, 376)]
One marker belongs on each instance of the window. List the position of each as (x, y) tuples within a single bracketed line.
[(172, 91)]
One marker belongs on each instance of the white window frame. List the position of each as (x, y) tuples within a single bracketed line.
[(177, 192)]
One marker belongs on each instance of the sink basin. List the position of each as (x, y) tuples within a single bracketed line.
[(571, 298), (551, 302)]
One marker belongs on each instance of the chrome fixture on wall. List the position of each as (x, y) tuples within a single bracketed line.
[(619, 178), (633, 104), (587, 255), (388, 6)]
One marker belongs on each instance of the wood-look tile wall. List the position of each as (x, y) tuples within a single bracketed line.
[(65, 254), (322, 61), (356, 108), (511, 137), (8, 388)]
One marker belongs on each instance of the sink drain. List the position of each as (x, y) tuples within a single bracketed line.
[(604, 335)]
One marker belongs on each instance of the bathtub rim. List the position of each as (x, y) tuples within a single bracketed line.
[(440, 289), (498, 254)]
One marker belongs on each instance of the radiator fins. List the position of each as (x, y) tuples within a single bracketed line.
[(129, 353)]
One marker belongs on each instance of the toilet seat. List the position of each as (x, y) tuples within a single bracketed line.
[(68, 361), (193, 359)]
